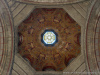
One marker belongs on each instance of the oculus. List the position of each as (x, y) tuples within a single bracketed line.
[(49, 37)]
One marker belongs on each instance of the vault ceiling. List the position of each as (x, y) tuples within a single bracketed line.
[(19, 10), (58, 56)]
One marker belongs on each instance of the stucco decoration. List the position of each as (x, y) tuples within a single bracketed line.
[(44, 57), (92, 39), (50, 2), (6, 39)]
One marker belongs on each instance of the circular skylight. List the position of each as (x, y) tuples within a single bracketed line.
[(49, 37)]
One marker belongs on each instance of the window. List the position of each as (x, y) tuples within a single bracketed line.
[(49, 37)]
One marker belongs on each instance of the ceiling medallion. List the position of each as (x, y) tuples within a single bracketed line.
[(49, 37)]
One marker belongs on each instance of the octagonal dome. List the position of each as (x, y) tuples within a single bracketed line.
[(36, 33)]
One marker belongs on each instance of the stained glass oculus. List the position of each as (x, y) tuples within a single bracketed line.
[(49, 37)]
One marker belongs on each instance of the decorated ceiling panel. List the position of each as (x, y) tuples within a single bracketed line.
[(49, 39)]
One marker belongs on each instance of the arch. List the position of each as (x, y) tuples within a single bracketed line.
[(6, 39), (91, 38), (50, 2)]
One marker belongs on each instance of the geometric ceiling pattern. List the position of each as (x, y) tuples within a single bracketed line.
[(40, 56)]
